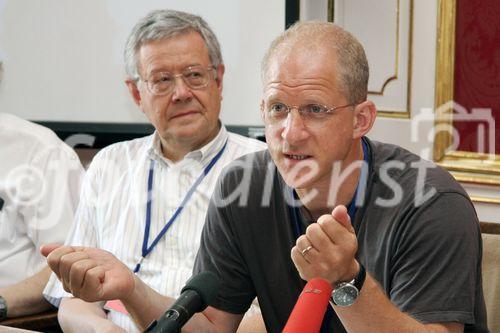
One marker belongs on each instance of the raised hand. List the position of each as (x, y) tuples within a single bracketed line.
[(88, 273), (327, 249)]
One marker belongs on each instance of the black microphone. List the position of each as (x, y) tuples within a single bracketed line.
[(199, 291)]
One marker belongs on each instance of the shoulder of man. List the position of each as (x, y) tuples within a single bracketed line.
[(245, 144), (38, 139), (410, 170), (125, 150), (29, 131)]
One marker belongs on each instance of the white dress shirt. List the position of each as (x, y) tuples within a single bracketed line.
[(39, 186), (112, 210)]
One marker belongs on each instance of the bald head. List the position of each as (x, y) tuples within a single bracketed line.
[(313, 40)]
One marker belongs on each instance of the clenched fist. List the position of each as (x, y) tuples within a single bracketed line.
[(327, 250), (88, 273)]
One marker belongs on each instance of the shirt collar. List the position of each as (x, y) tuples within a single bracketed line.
[(202, 154)]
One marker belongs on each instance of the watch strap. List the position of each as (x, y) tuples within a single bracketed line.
[(359, 280)]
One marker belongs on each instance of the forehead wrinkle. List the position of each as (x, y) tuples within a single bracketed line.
[(300, 83), (299, 87), (173, 53), (155, 62)]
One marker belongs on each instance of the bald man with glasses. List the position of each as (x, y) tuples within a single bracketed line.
[(145, 200)]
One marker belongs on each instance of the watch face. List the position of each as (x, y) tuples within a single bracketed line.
[(345, 295)]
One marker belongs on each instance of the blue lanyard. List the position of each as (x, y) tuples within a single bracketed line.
[(145, 249), (351, 210)]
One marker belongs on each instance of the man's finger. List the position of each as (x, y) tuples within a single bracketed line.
[(341, 215), (336, 231), (55, 255), (66, 263), (298, 259), (92, 285), (46, 249), (54, 258), (78, 271), (318, 238)]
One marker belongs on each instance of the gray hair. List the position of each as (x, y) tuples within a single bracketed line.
[(352, 64), (161, 24)]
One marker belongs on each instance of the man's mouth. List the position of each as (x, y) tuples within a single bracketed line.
[(183, 114), (297, 157)]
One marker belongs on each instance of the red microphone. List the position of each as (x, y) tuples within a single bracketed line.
[(307, 314)]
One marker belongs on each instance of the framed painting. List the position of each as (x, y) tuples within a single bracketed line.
[(467, 100)]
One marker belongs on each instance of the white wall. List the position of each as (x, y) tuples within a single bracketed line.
[(63, 58), (422, 85)]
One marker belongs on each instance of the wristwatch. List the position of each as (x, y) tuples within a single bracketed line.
[(3, 308), (346, 293)]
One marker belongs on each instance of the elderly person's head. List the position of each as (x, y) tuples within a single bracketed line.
[(174, 73), (315, 78), (163, 24)]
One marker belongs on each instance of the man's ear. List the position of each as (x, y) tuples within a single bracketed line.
[(220, 76), (364, 117), (134, 91)]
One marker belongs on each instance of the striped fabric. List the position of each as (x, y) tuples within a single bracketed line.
[(111, 214)]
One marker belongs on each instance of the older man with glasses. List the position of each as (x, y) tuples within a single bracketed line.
[(145, 200)]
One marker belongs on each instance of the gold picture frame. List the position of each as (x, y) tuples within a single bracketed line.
[(466, 167)]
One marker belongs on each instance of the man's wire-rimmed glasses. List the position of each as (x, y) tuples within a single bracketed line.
[(278, 111), (162, 83)]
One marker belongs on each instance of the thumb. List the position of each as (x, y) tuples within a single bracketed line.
[(46, 249), (340, 215)]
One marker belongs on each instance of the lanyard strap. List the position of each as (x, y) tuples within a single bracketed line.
[(351, 210), (145, 249)]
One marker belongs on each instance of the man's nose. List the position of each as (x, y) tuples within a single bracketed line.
[(294, 128), (181, 91)]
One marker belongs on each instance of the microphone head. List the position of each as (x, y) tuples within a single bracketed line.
[(206, 285), (307, 314)]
